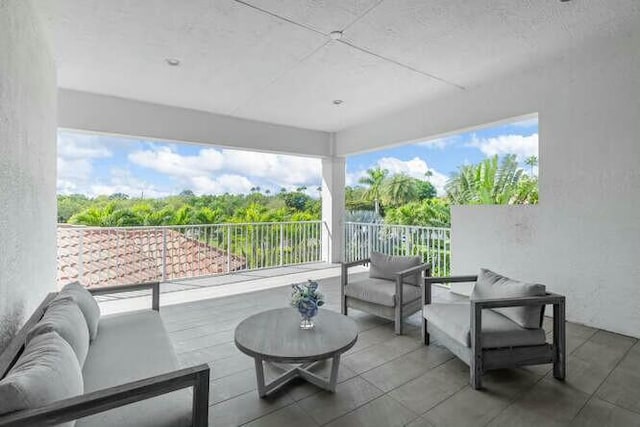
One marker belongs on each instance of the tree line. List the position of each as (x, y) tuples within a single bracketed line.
[(379, 196)]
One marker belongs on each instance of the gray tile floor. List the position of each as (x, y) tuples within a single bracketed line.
[(388, 380)]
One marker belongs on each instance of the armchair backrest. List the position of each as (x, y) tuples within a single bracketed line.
[(386, 266)]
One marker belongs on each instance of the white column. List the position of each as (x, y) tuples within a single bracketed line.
[(333, 182)]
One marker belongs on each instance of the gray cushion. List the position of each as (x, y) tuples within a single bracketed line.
[(380, 291), (130, 347), (497, 330), (493, 285), (64, 317), (386, 266), (47, 371), (87, 304)]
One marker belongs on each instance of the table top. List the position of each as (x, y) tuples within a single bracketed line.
[(276, 335)]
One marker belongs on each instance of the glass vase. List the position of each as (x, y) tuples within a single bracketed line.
[(306, 323)]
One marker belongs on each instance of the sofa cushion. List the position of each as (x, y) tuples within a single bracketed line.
[(48, 370), (130, 347), (380, 291), (386, 266), (497, 330), (493, 285), (64, 317), (87, 304)]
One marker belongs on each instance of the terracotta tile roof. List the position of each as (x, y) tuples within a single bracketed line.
[(122, 256)]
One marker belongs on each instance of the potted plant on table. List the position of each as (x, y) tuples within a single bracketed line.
[(307, 299)]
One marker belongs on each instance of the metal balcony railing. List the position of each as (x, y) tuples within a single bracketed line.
[(103, 256), (433, 244)]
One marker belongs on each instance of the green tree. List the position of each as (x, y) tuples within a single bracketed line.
[(532, 162), (490, 182), (425, 190), (427, 213), (399, 189), (374, 181)]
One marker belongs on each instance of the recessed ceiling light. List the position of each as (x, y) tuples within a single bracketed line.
[(335, 35), (174, 62), (337, 101)]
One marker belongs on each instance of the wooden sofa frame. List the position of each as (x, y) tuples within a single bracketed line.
[(481, 360), (196, 377), (400, 311)]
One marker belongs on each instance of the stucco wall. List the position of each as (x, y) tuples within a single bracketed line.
[(27, 165), (583, 240)]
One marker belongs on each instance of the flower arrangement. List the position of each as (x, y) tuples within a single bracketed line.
[(306, 298)]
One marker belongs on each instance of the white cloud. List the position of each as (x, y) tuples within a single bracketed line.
[(521, 146), (221, 184), (77, 146), (167, 161), (439, 143), (219, 171)]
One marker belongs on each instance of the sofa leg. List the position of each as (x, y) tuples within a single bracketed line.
[(398, 320), (200, 414), (476, 377)]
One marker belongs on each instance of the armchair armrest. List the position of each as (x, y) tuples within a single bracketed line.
[(154, 286), (413, 270), (113, 397), (548, 299), (559, 331), (428, 281)]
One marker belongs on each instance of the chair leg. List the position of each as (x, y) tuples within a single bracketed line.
[(398, 320), (475, 372), (425, 332), (559, 342)]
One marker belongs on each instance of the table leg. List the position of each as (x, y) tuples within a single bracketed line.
[(262, 389)]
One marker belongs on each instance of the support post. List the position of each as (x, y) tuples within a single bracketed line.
[(333, 182)]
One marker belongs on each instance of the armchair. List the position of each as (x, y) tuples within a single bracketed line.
[(392, 290), (501, 327)]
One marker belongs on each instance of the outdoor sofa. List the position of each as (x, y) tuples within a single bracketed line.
[(67, 363)]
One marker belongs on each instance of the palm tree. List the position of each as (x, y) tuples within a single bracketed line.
[(489, 183), (399, 189), (374, 180), (531, 161)]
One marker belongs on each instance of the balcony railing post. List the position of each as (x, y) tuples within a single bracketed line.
[(281, 244), (164, 254), (81, 256), (228, 249)]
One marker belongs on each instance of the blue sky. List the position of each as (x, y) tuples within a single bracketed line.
[(95, 164)]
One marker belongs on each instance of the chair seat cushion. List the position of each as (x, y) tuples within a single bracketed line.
[(380, 291), (497, 330), (130, 347)]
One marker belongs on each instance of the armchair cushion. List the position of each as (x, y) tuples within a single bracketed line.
[(497, 330), (386, 266), (380, 291), (493, 285)]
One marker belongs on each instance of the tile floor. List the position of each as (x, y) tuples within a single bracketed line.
[(388, 380)]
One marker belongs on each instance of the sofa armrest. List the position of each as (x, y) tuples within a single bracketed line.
[(113, 397), (154, 286), (548, 299)]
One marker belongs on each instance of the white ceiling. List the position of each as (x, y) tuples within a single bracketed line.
[(272, 60)]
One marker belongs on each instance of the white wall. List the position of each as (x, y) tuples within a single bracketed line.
[(583, 240), (27, 165), (107, 114)]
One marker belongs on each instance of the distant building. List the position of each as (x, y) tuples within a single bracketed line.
[(106, 257)]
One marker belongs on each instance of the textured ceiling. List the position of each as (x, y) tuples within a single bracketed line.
[(272, 60)]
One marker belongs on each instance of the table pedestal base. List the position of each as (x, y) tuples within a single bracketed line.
[(300, 371)]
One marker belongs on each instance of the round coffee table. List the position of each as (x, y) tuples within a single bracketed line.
[(275, 336)]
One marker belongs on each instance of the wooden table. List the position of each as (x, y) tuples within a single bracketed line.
[(275, 336)]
